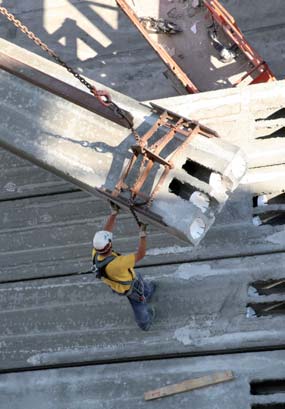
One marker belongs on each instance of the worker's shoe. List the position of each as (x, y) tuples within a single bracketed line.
[(151, 287), (151, 312)]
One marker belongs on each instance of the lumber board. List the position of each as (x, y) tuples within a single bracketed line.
[(201, 307), (189, 385), (103, 386)]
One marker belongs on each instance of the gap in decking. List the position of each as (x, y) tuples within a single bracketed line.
[(268, 406), (280, 133), (268, 199), (270, 218), (279, 114), (267, 387), (268, 287), (275, 308)]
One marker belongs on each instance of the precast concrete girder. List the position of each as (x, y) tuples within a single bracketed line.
[(92, 152)]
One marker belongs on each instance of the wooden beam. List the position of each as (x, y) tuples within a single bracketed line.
[(189, 385)]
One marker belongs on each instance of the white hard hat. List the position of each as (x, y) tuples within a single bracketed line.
[(101, 240)]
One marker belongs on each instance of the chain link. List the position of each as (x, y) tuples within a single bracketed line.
[(131, 206)]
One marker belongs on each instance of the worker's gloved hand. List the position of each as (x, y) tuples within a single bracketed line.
[(114, 208), (143, 227)]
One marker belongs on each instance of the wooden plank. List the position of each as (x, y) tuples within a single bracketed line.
[(189, 385)]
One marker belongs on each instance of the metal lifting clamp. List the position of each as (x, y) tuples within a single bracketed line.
[(179, 175), (169, 129)]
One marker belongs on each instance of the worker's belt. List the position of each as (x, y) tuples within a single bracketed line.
[(136, 291)]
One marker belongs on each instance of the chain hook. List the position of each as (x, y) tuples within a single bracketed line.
[(103, 96)]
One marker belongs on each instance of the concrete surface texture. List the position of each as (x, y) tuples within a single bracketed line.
[(60, 320), (258, 380), (208, 298)]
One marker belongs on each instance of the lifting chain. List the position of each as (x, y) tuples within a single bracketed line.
[(131, 206), (103, 96)]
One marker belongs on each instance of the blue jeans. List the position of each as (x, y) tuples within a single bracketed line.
[(142, 291)]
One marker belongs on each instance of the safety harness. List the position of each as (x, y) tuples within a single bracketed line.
[(99, 267)]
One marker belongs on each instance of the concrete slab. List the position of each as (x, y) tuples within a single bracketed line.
[(201, 307), (103, 386)]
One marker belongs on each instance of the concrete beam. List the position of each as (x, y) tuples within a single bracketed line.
[(91, 152)]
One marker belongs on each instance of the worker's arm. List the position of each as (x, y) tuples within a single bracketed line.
[(110, 222), (142, 244)]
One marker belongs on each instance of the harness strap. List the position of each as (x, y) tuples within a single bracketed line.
[(103, 264)]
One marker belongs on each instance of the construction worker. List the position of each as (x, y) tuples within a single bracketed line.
[(117, 271)]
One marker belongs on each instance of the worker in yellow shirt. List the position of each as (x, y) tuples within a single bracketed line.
[(117, 271)]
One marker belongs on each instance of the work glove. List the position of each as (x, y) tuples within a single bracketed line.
[(143, 227), (114, 208)]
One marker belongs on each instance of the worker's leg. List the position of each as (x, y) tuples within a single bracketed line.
[(143, 314), (142, 292), (147, 288)]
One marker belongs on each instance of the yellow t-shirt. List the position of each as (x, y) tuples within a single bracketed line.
[(119, 269)]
